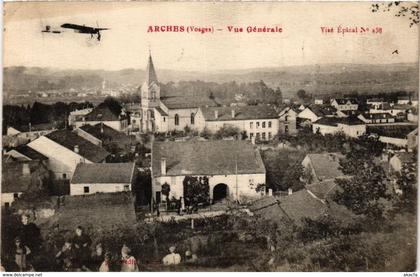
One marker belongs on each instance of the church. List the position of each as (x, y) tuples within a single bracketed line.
[(159, 116)]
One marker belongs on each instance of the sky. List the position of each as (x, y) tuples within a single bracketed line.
[(127, 43)]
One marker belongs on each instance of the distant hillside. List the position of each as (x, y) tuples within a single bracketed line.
[(315, 79)]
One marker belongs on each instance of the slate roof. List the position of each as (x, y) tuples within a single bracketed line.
[(35, 127), (107, 134), (102, 113), (322, 110), (87, 149), (30, 153), (13, 179), (241, 113), (103, 173), (162, 112), (322, 189), (327, 165), (395, 131), (334, 121), (343, 101), (150, 72), (206, 158)]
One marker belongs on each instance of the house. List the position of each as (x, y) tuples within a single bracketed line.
[(396, 135), (25, 153), (349, 126), (398, 110), (313, 113), (407, 100), (30, 131), (345, 104), (234, 168), (19, 177), (397, 161), (65, 149), (77, 115), (323, 167), (103, 135), (413, 115), (318, 101), (287, 121), (259, 122), (375, 103), (104, 114), (370, 118), (102, 178)]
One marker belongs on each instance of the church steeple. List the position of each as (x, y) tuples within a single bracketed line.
[(150, 71)]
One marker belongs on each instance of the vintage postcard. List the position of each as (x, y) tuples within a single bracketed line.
[(210, 136)]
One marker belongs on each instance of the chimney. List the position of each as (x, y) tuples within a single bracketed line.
[(102, 127), (30, 127), (216, 114), (163, 166), (290, 191), (25, 169), (233, 113), (76, 148)]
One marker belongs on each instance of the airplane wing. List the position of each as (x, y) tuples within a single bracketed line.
[(79, 28)]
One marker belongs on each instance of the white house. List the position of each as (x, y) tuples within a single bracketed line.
[(288, 121), (350, 126), (64, 150), (259, 122), (102, 178), (345, 104), (313, 113), (377, 118), (407, 100), (77, 115), (375, 103), (234, 168)]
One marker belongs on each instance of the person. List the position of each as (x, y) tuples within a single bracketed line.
[(128, 262), (97, 257), (105, 265), (172, 258), (21, 253), (190, 257), (82, 243), (30, 234), (66, 256)]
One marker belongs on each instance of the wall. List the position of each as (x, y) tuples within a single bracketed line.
[(60, 159), (78, 189), (290, 123), (244, 184), (184, 120), (308, 114)]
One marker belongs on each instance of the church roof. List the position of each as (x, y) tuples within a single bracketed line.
[(150, 72)]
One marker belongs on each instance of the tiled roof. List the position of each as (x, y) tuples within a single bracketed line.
[(241, 113), (103, 173), (102, 113), (87, 149), (334, 121), (218, 157), (326, 166), (30, 153), (322, 110), (322, 189), (162, 112), (393, 131), (301, 204)]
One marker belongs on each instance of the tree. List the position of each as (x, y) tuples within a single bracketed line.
[(301, 94), (196, 190), (365, 191), (406, 181), (228, 131)]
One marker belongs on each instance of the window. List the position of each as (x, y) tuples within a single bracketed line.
[(286, 129), (269, 124), (126, 187), (269, 135), (134, 121), (164, 119), (286, 117), (176, 119), (251, 125), (86, 189), (258, 125), (192, 119), (15, 196), (263, 136), (251, 135), (263, 124), (258, 136), (64, 176)]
